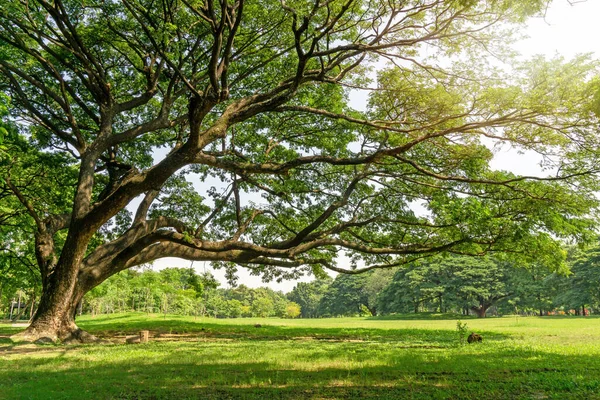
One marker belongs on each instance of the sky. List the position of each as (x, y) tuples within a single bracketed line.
[(567, 29)]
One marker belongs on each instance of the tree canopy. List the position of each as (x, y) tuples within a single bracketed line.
[(225, 131)]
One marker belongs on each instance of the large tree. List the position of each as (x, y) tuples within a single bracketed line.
[(223, 131)]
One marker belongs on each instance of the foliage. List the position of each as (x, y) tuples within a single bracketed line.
[(345, 296), (463, 331), (354, 294), (581, 288), (182, 291), (454, 282), (364, 311), (308, 296), (292, 310), (171, 290)]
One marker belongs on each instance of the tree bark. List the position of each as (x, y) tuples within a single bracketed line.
[(480, 311), (32, 306), (54, 319), (12, 306)]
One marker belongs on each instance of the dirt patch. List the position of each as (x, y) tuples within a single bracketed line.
[(122, 337), (30, 349)]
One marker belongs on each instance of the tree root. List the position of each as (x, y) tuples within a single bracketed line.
[(71, 334), (80, 336)]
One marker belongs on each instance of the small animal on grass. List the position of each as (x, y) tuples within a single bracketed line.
[(473, 337), (258, 326)]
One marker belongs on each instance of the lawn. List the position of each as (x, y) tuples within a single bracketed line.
[(340, 358)]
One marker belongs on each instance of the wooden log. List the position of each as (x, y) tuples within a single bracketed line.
[(144, 336)]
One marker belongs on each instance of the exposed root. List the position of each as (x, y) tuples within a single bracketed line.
[(79, 336), (70, 334), (31, 335)]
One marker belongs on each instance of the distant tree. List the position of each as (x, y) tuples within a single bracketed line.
[(411, 287), (262, 307), (308, 296), (375, 283), (581, 288), (465, 283), (216, 304), (234, 308), (171, 290), (480, 283), (346, 295), (292, 310), (18, 274), (533, 289), (145, 291), (351, 294)]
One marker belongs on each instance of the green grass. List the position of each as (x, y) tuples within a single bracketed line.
[(340, 358)]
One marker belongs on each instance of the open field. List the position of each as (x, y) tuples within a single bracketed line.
[(345, 358)]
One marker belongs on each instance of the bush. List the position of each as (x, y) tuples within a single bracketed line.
[(292, 310)]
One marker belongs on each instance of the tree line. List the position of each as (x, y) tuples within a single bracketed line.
[(183, 291), (444, 284), (458, 284)]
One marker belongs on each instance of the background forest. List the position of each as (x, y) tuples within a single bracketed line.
[(452, 284)]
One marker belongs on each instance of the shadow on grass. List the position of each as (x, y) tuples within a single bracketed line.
[(7, 330), (207, 329), (234, 360), (176, 329), (452, 316), (193, 370), (421, 316), (568, 316)]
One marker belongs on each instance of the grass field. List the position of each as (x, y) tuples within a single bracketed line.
[(345, 358)]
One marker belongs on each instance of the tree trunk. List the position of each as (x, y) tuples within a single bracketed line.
[(32, 306), (54, 319), (480, 311), (19, 305)]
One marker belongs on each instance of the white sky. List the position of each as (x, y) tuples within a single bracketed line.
[(568, 29)]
